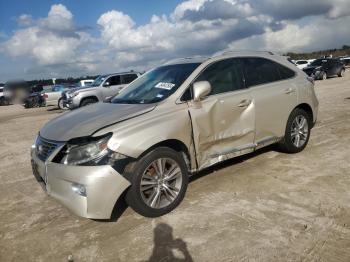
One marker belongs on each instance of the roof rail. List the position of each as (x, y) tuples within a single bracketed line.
[(181, 59), (238, 51)]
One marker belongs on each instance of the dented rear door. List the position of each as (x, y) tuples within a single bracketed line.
[(224, 122)]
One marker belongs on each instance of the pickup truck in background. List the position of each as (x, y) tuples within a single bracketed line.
[(103, 88), (85, 82)]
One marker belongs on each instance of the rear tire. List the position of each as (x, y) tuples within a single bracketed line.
[(158, 182), (87, 101), (297, 132), (341, 73)]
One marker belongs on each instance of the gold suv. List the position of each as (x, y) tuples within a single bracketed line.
[(169, 123)]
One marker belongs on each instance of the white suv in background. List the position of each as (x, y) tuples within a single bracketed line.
[(103, 88), (3, 100), (301, 63)]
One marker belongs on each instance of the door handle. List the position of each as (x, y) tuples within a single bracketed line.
[(289, 90), (244, 103)]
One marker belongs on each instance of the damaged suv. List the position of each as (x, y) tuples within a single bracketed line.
[(168, 124)]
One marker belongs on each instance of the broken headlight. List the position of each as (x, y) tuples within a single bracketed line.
[(88, 150)]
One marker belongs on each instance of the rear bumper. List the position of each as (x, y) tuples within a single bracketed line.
[(103, 186)]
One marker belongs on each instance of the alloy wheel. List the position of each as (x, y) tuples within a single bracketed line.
[(161, 183), (299, 131)]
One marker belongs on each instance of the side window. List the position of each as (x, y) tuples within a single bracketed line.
[(187, 95), (260, 71), (126, 79), (114, 80), (224, 76), (285, 72)]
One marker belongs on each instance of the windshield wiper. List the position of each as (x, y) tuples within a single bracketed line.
[(126, 101)]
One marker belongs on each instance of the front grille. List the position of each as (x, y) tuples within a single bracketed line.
[(44, 148)]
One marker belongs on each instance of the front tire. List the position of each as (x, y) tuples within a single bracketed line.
[(158, 182), (297, 132), (88, 101), (341, 73), (324, 76)]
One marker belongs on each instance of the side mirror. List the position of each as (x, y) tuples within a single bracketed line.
[(200, 90), (106, 84)]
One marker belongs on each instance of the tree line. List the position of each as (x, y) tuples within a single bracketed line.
[(344, 51)]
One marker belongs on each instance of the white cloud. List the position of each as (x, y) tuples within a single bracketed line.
[(25, 20), (59, 18), (318, 35), (50, 40)]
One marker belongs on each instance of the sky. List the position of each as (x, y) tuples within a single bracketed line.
[(51, 39)]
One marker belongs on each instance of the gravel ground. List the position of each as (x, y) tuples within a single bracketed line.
[(266, 206)]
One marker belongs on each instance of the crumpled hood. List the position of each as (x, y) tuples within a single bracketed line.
[(86, 120)]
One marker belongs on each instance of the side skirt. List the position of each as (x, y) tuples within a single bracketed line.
[(238, 151)]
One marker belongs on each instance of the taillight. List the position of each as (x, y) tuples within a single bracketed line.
[(311, 79), (45, 96)]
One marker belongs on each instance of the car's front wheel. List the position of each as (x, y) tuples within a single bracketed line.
[(158, 182), (88, 101), (297, 132)]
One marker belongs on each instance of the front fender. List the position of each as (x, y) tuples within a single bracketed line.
[(135, 136)]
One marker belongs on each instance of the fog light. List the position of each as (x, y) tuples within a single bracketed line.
[(79, 189)]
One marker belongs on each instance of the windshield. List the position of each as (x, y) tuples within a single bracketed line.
[(57, 88), (98, 81), (318, 62), (155, 85)]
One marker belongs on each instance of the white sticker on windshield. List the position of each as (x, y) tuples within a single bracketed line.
[(164, 85)]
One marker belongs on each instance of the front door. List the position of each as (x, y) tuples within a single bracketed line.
[(112, 86), (223, 123)]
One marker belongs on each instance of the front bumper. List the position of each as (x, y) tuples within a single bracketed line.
[(103, 186), (70, 103)]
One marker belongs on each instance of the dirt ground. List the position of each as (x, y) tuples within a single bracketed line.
[(266, 206)]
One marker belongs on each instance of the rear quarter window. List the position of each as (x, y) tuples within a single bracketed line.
[(260, 71), (285, 72)]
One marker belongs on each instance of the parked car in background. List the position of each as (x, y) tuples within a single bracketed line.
[(85, 82), (322, 68), (34, 97), (4, 101), (103, 87), (168, 124), (53, 97), (345, 61), (301, 63)]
